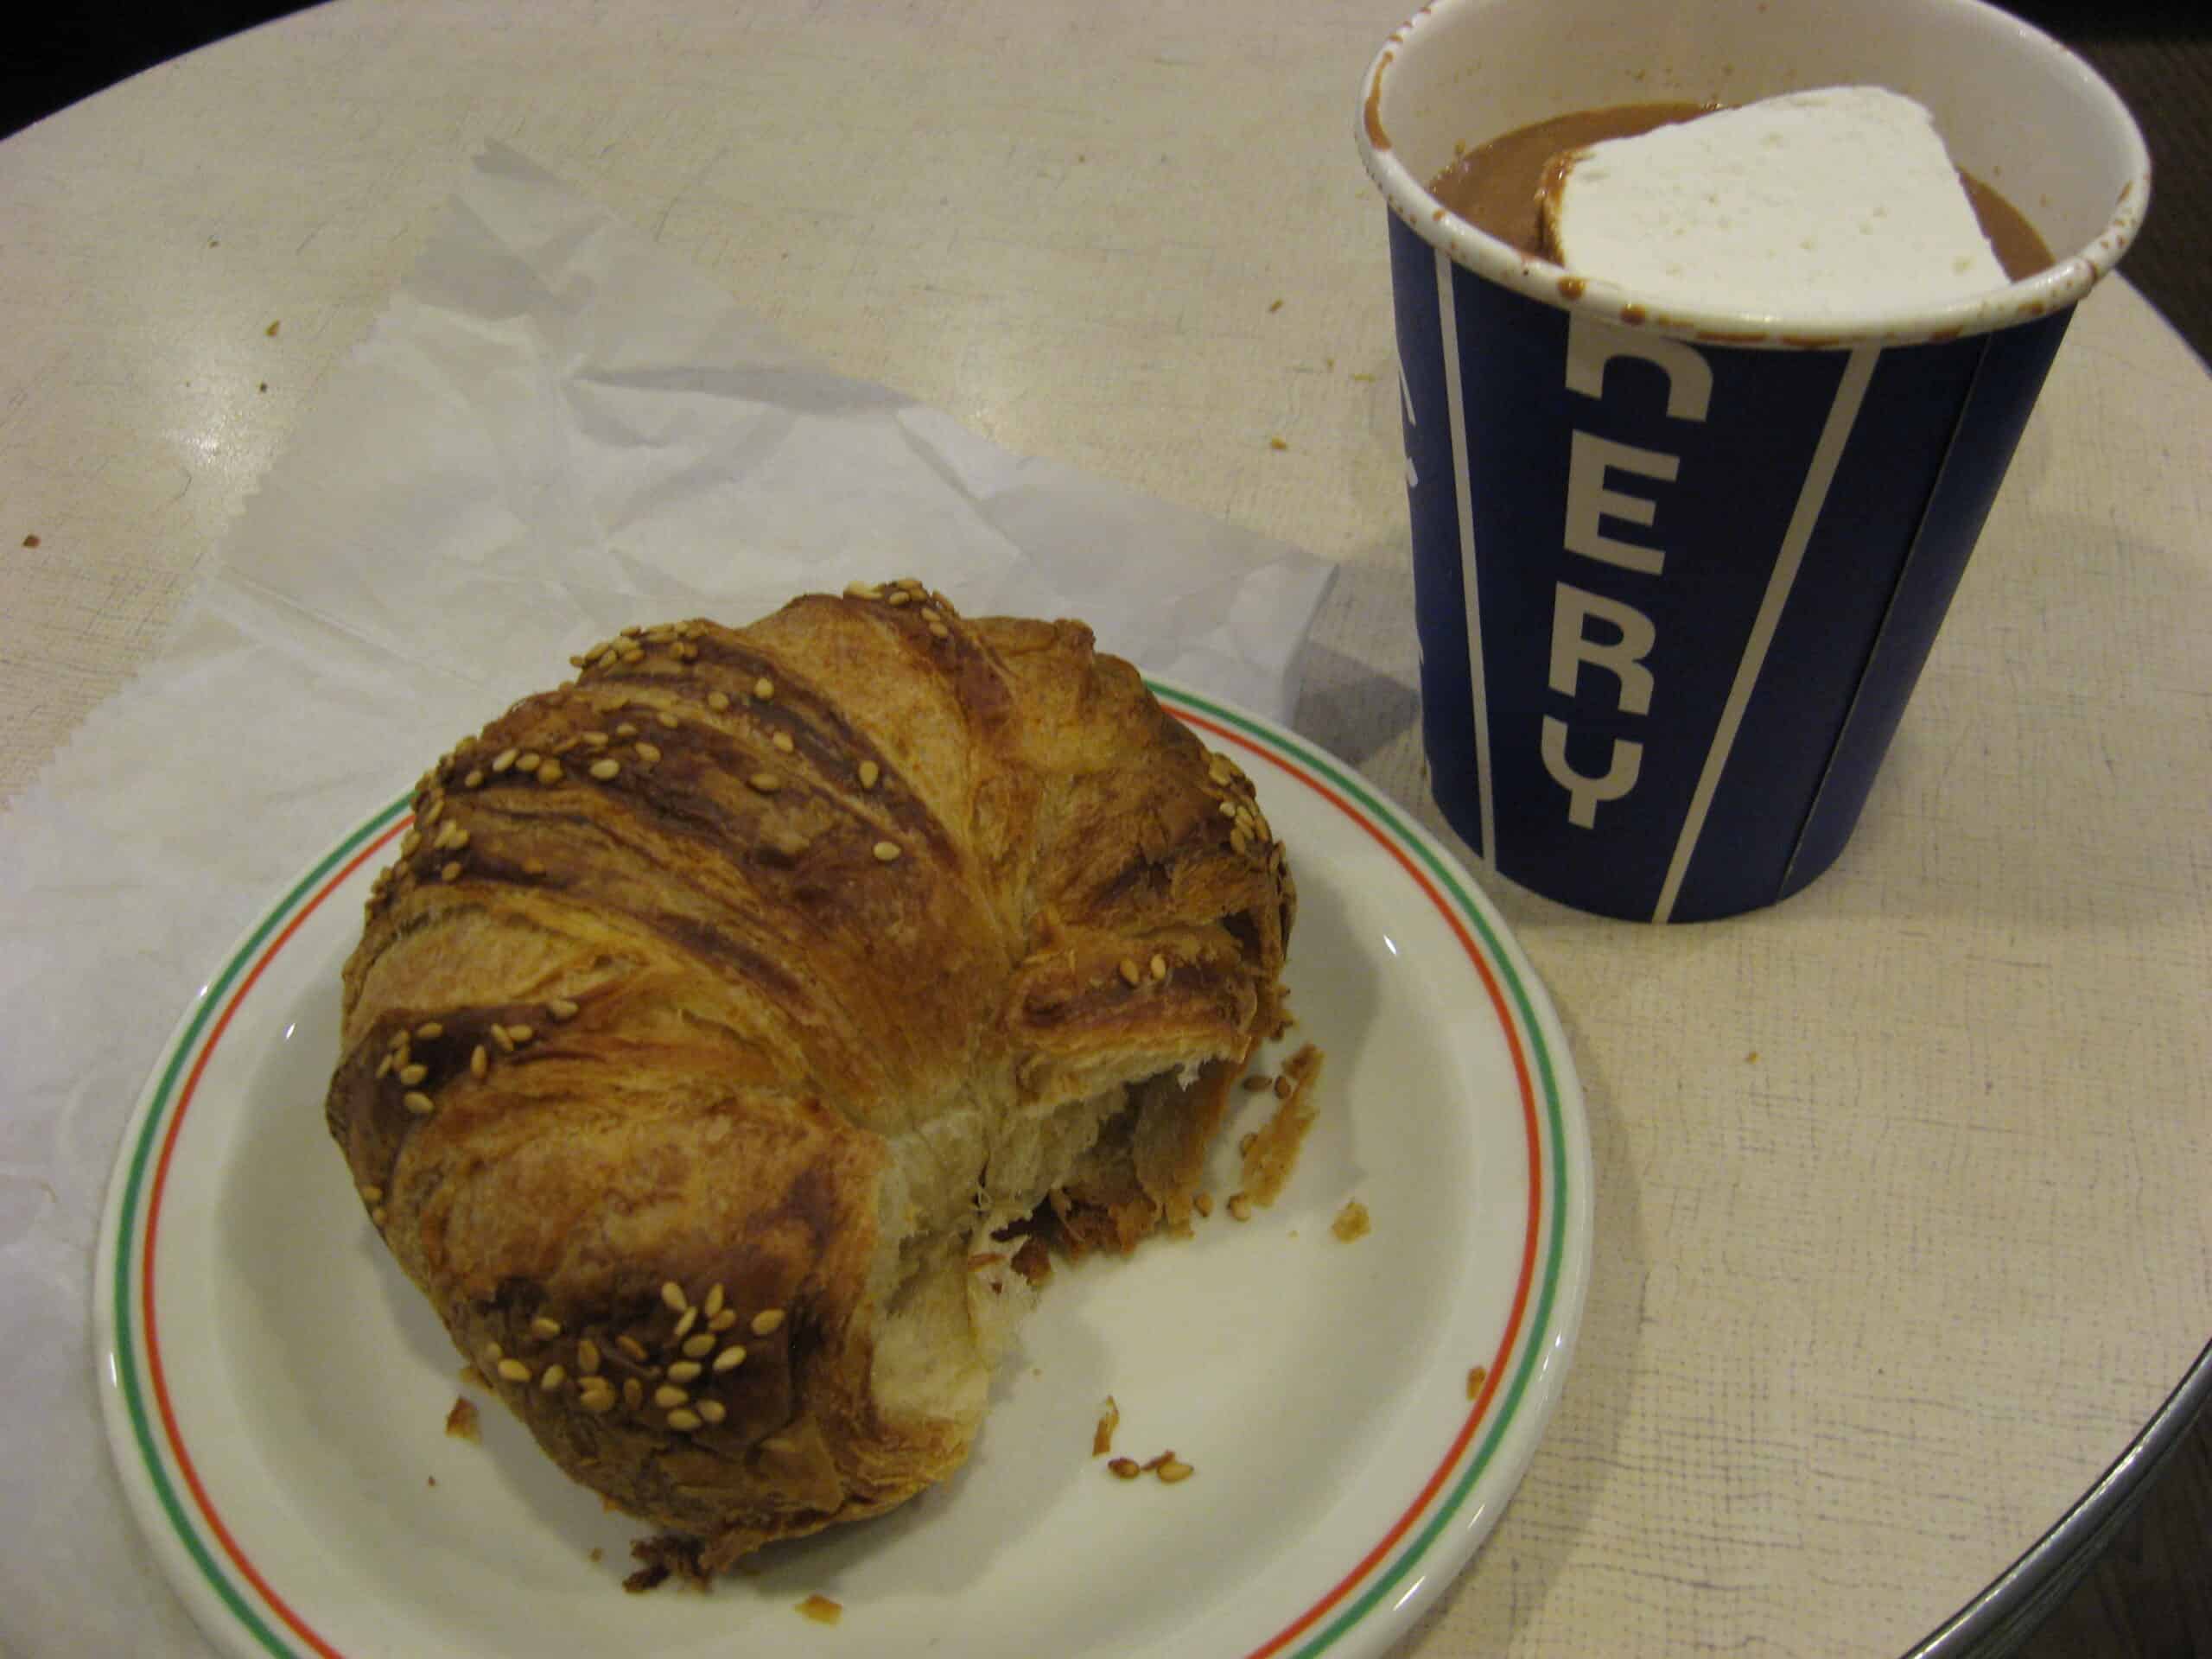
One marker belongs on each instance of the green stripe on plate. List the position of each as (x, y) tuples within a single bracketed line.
[(127, 1243), (186, 1048), (1555, 1251)]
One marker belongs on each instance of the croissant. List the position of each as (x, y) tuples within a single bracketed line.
[(740, 1018)]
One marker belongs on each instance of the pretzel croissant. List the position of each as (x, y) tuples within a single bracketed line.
[(729, 1005)]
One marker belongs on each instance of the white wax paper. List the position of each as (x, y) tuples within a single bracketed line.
[(554, 430)]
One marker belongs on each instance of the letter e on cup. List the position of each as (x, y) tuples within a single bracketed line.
[(1588, 500), (1590, 346)]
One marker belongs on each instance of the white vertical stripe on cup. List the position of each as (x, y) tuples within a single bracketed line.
[(1449, 317), (1849, 392), (1889, 615)]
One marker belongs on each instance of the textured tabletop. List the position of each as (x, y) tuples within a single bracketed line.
[(1901, 1226)]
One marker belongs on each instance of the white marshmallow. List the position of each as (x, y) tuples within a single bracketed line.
[(1834, 202)]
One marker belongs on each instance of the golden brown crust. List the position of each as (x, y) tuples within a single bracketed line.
[(706, 985)]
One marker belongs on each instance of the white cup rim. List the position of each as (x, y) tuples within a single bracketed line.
[(2049, 291)]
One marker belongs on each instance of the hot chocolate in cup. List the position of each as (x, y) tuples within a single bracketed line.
[(1678, 566)]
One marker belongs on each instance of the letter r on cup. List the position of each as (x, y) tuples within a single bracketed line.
[(1622, 657)]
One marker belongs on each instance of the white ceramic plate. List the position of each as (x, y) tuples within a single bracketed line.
[(276, 1392)]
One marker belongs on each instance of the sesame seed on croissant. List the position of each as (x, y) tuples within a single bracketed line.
[(730, 1006)]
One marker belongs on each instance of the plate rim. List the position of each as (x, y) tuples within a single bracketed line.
[(1558, 1308), (1540, 1332)]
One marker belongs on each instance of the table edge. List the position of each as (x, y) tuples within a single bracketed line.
[(2019, 1598)]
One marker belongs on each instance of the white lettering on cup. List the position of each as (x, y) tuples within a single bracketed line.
[(1406, 394), (1591, 345), (1582, 792), (1622, 657), (1588, 500)]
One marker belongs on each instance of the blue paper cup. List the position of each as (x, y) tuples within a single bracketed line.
[(1676, 571)]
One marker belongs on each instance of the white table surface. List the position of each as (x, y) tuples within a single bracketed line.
[(1902, 1216)]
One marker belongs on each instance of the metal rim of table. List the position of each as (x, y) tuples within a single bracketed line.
[(2019, 1598)]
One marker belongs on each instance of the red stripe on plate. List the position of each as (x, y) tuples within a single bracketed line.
[(276, 1603), (1530, 1237), (1344, 1586)]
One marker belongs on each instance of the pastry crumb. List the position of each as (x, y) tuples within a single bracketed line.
[(1240, 1207), (1476, 1378), (1274, 307), (1033, 1261), (1101, 1438), (31, 540), (669, 1555), (1203, 1203), (1277, 443), (1751, 1059), (271, 329), (461, 1421), (1271, 1153), (821, 1610), (597, 1554), (1351, 1221), (1168, 1468)]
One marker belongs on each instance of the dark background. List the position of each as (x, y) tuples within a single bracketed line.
[(2148, 1593), (2157, 52)]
